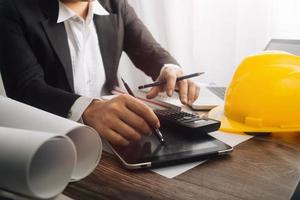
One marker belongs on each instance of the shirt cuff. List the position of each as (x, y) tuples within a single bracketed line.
[(78, 108), (170, 66)]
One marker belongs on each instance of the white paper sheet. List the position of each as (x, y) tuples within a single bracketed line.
[(176, 170), (172, 171), (228, 138), (232, 139), (37, 134)]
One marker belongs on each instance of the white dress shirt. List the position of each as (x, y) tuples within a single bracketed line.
[(87, 64)]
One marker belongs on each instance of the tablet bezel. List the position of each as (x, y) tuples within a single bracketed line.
[(177, 158)]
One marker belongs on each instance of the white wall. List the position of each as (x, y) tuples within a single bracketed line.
[(286, 19), (214, 39), (213, 35)]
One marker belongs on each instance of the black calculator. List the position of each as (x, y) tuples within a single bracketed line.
[(187, 121)]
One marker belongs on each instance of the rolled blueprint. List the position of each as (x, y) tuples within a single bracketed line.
[(86, 140), (35, 164)]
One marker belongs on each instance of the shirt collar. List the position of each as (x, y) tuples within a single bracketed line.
[(98, 9), (66, 13)]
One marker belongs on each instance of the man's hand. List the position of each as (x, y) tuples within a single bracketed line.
[(121, 120), (188, 90)]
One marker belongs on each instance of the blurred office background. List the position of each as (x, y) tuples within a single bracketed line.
[(214, 35)]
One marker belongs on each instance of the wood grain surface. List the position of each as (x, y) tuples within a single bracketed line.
[(265, 167)]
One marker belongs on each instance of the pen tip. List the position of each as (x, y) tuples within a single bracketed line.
[(122, 80)]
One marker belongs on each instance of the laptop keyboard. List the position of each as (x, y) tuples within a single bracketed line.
[(219, 91)]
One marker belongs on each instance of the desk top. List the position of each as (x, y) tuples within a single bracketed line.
[(265, 167)]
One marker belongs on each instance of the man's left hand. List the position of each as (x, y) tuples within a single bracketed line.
[(188, 90)]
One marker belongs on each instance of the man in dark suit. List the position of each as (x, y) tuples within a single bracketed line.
[(61, 56)]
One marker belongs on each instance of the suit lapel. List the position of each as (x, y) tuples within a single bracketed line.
[(106, 27), (107, 36), (58, 38)]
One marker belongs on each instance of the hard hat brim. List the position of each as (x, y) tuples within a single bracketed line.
[(228, 125)]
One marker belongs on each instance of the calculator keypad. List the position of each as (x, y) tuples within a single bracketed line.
[(189, 122), (177, 115)]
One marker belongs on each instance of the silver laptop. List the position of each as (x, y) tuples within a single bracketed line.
[(291, 46), (210, 97), (213, 96)]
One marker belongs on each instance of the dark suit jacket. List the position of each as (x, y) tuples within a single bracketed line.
[(35, 58)]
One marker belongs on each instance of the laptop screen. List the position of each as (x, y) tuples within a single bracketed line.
[(291, 46)]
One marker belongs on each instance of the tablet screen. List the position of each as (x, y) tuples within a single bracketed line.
[(179, 145)]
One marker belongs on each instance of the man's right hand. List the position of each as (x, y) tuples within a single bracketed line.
[(121, 120)]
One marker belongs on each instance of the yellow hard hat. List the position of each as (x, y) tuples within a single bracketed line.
[(263, 96)]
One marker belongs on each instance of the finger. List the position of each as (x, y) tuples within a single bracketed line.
[(115, 138), (183, 91), (153, 92), (191, 92), (143, 111), (171, 83), (136, 122), (126, 131), (197, 93)]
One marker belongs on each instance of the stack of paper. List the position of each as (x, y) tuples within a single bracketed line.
[(41, 152)]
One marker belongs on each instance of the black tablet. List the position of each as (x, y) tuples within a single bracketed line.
[(180, 147), (296, 194)]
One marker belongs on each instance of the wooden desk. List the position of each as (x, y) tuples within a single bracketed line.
[(266, 167)]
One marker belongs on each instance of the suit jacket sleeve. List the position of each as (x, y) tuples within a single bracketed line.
[(140, 45), (22, 74)]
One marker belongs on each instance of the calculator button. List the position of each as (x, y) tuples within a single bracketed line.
[(191, 120), (198, 122), (187, 118)]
